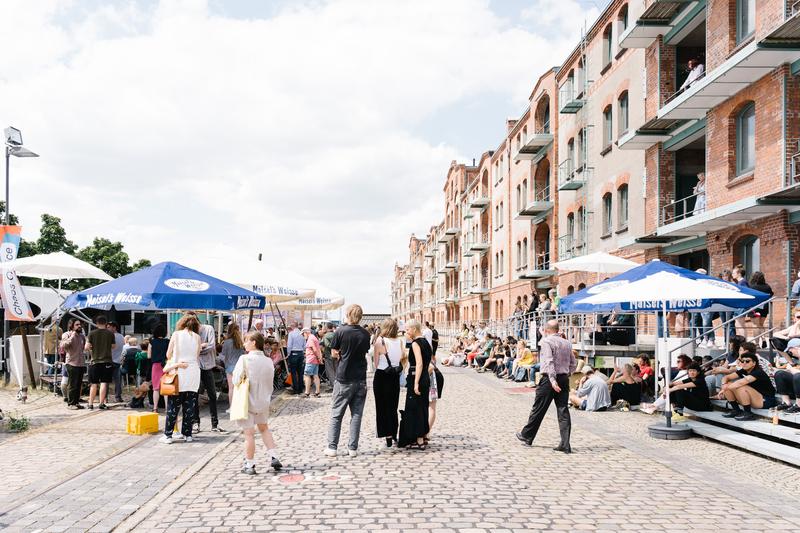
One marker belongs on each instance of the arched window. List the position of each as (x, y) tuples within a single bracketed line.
[(608, 128), (748, 252), (622, 115), (571, 154), (622, 19), (519, 254), (581, 286), (579, 230), (524, 196), (571, 227), (525, 252), (622, 206), (746, 139), (607, 46), (607, 214)]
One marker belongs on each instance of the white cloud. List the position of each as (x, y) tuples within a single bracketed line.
[(181, 132)]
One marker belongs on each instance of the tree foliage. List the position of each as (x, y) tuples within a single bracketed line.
[(53, 237)]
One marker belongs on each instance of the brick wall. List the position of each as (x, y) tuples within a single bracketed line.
[(773, 232), (720, 31), (722, 184), (651, 81)]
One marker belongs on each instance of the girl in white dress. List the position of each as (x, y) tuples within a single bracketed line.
[(183, 357)]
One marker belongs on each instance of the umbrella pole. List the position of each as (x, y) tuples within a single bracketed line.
[(283, 353), (250, 320), (667, 374)]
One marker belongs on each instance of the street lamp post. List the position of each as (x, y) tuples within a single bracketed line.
[(14, 146)]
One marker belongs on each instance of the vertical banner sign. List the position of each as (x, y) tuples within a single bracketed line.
[(14, 301)]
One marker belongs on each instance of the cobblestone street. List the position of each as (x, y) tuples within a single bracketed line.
[(85, 474)]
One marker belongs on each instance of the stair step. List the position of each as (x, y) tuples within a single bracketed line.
[(785, 433), (774, 450), (783, 417)]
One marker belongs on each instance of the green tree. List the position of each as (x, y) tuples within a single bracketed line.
[(140, 264), (107, 256), (53, 237)]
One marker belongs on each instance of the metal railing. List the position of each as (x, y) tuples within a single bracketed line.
[(681, 209), (681, 91), (566, 171), (542, 195)]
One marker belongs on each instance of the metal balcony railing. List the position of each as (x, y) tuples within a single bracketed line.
[(681, 209), (569, 247)]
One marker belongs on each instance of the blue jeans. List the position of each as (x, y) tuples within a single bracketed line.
[(708, 326), (297, 363), (354, 396)]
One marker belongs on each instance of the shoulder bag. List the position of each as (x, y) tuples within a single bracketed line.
[(169, 384), (394, 371), (240, 404)]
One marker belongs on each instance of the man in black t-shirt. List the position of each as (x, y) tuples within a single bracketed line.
[(749, 387), (435, 337), (349, 347)]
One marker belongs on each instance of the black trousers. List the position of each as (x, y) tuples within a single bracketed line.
[(297, 364), (187, 400), (544, 395), (207, 382), (787, 383), (74, 383)]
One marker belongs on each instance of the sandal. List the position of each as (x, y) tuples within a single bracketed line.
[(316, 395), (306, 394)]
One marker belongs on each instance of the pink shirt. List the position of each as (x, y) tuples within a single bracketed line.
[(313, 352)]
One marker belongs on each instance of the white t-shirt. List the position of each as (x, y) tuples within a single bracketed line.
[(428, 334), (395, 349)]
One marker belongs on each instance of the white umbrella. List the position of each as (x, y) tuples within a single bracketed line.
[(324, 300), (657, 291), (598, 262), (275, 284), (57, 265)]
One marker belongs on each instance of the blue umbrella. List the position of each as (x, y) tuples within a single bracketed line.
[(166, 286), (750, 297)]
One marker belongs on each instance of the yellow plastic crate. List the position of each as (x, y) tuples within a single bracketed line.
[(142, 423)]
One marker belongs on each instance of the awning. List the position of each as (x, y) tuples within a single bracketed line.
[(654, 21)]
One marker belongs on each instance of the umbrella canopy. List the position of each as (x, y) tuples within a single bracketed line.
[(274, 284), (324, 300), (647, 287), (599, 262), (58, 265), (166, 286)]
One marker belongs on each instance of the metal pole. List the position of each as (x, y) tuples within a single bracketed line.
[(6, 343)]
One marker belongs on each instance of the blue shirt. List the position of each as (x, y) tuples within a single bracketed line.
[(295, 342)]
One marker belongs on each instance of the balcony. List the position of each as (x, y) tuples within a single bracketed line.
[(430, 279), (570, 103), (451, 265), (430, 254), (481, 201), (410, 275), (569, 247), (479, 244), (569, 178), (682, 219), (656, 20), (480, 287), (742, 69), (538, 208), (442, 269), (451, 298), (536, 145)]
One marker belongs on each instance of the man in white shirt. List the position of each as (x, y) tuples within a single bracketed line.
[(592, 393), (427, 332), (696, 71)]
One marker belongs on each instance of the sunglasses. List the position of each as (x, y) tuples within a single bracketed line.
[(745, 361)]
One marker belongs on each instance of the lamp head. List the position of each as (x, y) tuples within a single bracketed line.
[(13, 136)]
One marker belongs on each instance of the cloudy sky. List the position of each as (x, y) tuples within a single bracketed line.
[(315, 132)]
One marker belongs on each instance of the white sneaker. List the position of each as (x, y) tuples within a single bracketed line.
[(187, 439), (165, 440), (330, 452), (352, 453)]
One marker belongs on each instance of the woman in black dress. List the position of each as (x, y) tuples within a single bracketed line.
[(389, 354), (414, 423)]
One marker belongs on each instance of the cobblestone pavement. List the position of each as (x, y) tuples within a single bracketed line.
[(475, 477), (80, 470)]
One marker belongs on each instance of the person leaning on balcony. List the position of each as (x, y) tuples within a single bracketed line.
[(696, 71), (700, 194)]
